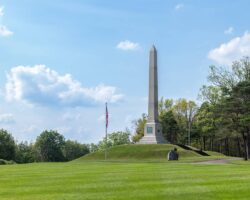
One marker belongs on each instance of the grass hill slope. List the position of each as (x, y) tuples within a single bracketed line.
[(154, 152)]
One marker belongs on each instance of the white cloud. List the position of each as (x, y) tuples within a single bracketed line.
[(63, 129), (229, 30), (1, 11), (128, 121), (4, 31), (6, 118), (101, 118), (71, 117), (127, 45), (31, 128), (179, 6), (43, 86), (233, 50)]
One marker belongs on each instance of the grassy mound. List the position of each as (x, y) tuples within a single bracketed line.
[(154, 152), (213, 153)]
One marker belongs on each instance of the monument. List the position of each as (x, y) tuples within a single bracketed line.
[(152, 129)]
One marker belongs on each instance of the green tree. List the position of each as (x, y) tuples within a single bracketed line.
[(165, 105), (204, 121), (7, 145), (170, 127), (237, 107), (93, 147), (50, 146), (139, 128), (208, 119), (102, 145), (211, 94), (230, 89), (184, 112), (119, 137), (74, 149), (114, 139), (226, 79), (24, 153)]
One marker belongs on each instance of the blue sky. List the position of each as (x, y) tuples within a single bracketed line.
[(61, 60)]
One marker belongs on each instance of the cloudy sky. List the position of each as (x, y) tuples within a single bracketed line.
[(60, 61)]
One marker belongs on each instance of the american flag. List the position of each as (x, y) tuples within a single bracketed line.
[(107, 116)]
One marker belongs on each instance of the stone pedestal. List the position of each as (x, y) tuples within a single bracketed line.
[(152, 134)]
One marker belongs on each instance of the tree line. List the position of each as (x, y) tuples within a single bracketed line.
[(220, 122), (51, 146)]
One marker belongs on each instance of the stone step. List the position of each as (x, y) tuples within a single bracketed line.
[(152, 140)]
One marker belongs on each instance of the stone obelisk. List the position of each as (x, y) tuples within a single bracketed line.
[(152, 129)]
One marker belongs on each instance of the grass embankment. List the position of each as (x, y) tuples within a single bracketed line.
[(150, 152), (122, 181)]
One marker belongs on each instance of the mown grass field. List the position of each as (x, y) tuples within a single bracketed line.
[(125, 179)]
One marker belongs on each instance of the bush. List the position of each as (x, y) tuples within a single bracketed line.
[(6, 162), (3, 162)]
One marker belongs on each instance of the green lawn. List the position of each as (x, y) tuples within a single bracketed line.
[(131, 172), (118, 180)]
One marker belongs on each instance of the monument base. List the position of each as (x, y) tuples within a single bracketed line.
[(152, 134)]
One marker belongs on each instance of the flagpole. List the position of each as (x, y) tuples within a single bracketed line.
[(106, 131), (106, 144)]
